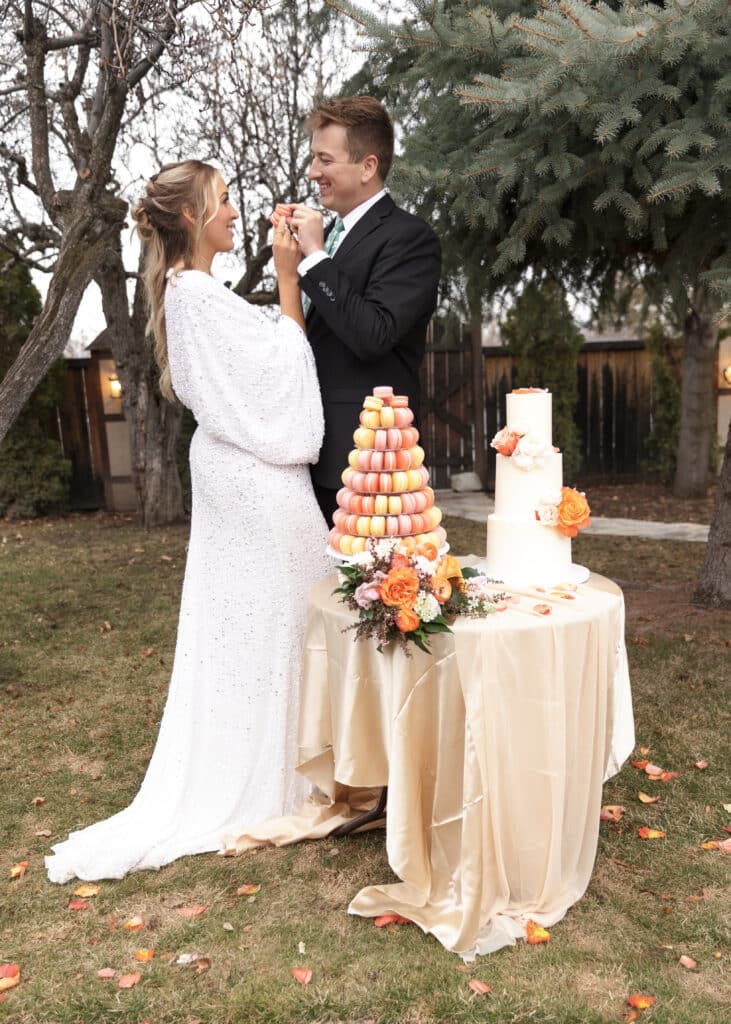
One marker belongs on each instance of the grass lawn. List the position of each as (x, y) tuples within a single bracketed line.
[(86, 642)]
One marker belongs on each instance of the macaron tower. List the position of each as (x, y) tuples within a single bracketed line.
[(385, 492)]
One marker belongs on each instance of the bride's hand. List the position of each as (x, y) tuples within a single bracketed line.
[(287, 253)]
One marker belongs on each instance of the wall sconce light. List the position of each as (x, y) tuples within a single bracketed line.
[(115, 386), (727, 373)]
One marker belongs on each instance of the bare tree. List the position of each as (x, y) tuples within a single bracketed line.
[(70, 73)]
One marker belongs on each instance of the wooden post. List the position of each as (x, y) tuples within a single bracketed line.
[(478, 398)]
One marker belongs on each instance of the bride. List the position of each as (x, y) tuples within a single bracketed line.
[(225, 754)]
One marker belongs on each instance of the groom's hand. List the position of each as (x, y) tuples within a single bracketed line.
[(308, 226)]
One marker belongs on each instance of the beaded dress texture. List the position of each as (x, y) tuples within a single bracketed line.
[(226, 751)]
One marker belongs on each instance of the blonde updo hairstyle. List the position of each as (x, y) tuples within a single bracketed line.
[(169, 239)]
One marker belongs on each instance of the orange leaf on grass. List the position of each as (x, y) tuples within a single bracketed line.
[(640, 764), (480, 988), (667, 776), (644, 750), (129, 980), (18, 870), (650, 833), (700, 765), (535, 933), (385, 919), (641, 1002), (193, 911), (630, 1015), (9, 976), (87, 891), (106, 973), (77, 905), (611, 812), (302, 974), (645, 798), (134, 923), (688, 962), (724, 845), (248, 890), (710, 844), (653, 770), (144, 955)]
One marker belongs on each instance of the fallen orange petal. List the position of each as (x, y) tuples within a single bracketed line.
[(106, 973), (480, 988), (650, 833), (87, 890), (542, 609), (701, 765), (688, 962), (611, 812), (724, 845), (77, 905), (667, 776), (640, 764), (18, 870), (535, 933), (9, 976), (644, 750), (711, 844), (38, 801), (385, 919), (129, 980), (302, 974), (248, 890), (144, 955), (641, 1002), (645, 798), (134, 924), (195, 911), (653, 770), (630, 1015)]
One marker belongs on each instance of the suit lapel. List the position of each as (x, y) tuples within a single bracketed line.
[(367, 223)]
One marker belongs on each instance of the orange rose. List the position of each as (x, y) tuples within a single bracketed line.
[(400, 588), (449, 568), (407, 620), (399, 561), (428, 550), (573, 512), (441, 588)]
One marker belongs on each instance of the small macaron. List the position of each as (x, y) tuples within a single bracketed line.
[(394, 504), (399, 402), (417, 455), (413, 477), (392, 526), (372, 402), (403, 459), (381, 505), (380, 440), (369, 418), (385, 483), (383, 392), (371, 483), (400, 481), (386, 417), (346, 544), (394, 439), (409, 437), (404, 525), (389, 461), (367, 504), (402, 417), (378, 526), (376, 461), (363, 526), (408, 502)]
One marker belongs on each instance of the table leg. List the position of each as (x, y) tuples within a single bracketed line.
[(363, 819)]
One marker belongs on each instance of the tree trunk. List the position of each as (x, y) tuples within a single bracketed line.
[(153, 422), (714, 586), (697, 398)]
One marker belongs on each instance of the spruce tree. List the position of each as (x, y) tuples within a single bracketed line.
[(586, 139)]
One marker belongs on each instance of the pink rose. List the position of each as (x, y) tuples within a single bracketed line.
[(505, 441), (369, 591)]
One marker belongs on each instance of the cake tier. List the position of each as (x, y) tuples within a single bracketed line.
[(529, 412), (347, 544), (518, 492), (386, 483), (385, 504), (403, 525), (526, 552)]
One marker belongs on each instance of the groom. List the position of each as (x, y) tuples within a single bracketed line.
[(370, 280)]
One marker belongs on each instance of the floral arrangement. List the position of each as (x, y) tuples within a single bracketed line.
[(568, 511), (405, 592), (523, 449)]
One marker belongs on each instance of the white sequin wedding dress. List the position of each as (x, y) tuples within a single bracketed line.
[(225, 754)]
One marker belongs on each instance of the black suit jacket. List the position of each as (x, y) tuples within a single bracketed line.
[(371, 304)]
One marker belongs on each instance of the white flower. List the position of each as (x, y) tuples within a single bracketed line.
[(427, 607), (530, 452), (342, 579), (363, 558), (424, 565), (547, 511), (384, 547)]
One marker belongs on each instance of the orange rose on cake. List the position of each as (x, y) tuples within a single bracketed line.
[(400, 588), (573, 512)]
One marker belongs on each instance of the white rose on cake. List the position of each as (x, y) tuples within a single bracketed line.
[(547, 511), (530, 452)]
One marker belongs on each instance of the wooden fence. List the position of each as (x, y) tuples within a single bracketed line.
[(613, 413)]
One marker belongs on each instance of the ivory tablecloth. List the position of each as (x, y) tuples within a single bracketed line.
[(494, 748)]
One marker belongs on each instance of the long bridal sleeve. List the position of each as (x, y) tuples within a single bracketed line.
[(225, 754)]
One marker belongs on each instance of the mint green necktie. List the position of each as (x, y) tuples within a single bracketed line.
[(331, 245)]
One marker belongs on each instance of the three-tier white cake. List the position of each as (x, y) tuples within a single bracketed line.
[(524, 543)]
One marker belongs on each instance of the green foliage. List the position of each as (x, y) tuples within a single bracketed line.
[(582, 138), (544, 341), (33, 472), (661, 446)]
